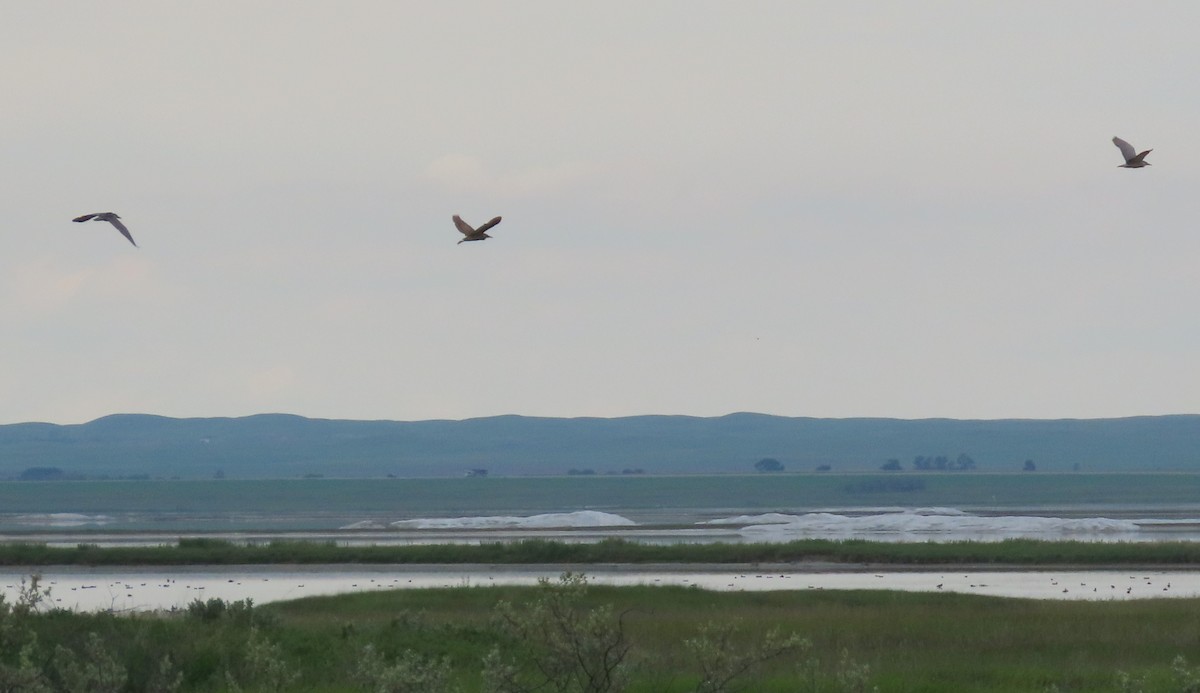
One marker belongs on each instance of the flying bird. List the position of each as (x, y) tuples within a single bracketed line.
[(471, 234), (1132, 158), (111, 218)]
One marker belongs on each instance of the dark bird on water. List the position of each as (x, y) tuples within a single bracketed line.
[(471, 234), (1132, 158), (111, 218)]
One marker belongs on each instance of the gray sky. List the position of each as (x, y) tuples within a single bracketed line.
[(907, 209)]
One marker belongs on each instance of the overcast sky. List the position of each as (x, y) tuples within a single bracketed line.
[(901, 209)]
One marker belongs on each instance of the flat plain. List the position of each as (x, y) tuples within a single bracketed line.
[(640, 497)]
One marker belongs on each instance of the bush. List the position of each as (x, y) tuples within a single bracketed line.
[(563, 646), (241, 611), (408, 673), (722, 662)]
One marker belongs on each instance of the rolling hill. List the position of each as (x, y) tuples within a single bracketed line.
[(281, 445)]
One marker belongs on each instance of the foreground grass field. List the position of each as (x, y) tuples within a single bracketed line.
[(929, 642), (1013, 552), (855, 641)]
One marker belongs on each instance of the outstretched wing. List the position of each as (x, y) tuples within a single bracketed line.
[(85, 217), (121, 227), (463, 226), (488, 225), (1127, 149)]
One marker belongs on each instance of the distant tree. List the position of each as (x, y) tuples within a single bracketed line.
[(1029, 466), (942, 463), (892, 465), (581, 472), (823, 468), (768, 464), (42, 474), (220, 474)]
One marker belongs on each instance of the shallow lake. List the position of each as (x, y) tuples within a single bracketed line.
[(132, 589), (875, 524), (331, 504), (156, 588)]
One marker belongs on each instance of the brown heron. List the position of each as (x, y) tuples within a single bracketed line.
[(110, 218), (1132, 158), (471, 234)]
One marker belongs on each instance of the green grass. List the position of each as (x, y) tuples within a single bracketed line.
[(909, 641), (932, 642), (1016, 552)]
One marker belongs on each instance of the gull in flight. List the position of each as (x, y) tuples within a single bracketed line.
[(471, 234), (110, 218), (1132, 158)]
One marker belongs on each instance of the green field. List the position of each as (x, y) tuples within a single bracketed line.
[(854, 641), (637, 496)]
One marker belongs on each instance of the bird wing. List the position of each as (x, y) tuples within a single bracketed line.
[(121, 227), (85, 217), (488, 225), (1127, 149), (1141, 157), (463, 226)]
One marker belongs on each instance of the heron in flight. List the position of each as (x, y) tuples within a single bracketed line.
[(1132, 158), (111, 218), (471, 234)]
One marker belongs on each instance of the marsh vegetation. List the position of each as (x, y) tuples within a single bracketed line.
[(566, 635), (1012, 552)]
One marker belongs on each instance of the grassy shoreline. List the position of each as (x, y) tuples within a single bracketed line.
[(902, 641), (848, 553)]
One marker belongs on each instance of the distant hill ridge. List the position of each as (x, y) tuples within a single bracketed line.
[(284, 445)]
